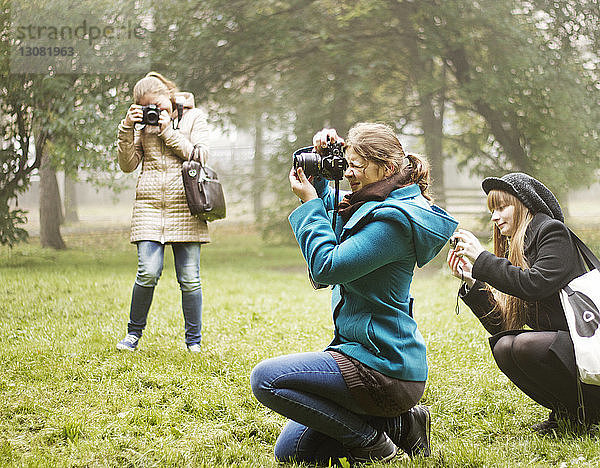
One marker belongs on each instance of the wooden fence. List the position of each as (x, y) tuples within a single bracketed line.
[(466, 201)]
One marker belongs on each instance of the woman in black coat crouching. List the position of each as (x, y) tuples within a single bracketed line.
[(518, 286)]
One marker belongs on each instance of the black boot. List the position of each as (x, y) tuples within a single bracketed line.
[(381, 449), (415, 432), (546, 427)]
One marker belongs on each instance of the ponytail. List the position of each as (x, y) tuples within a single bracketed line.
[(418, 173)]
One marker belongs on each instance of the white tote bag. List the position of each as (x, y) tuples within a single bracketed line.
[(581, 303)]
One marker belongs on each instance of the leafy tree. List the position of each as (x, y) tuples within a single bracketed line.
[(71, 120), (504, 85), (526, 102), (71, 117), (82, 143), (23, 138), (251, 66)]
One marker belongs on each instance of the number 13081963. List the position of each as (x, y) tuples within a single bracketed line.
[(43, 51)]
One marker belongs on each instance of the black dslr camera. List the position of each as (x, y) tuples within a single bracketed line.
[(327, 162), (150, 115)]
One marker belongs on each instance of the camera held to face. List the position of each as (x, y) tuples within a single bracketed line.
[(151, 115), (328, 162), (453, 242)]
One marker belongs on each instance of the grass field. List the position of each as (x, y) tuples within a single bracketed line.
[(68, 398)]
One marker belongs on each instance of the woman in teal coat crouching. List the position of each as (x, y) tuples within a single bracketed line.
[(358, 398)]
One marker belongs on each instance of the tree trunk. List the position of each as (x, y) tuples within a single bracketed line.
[(430, 81), (432, 121), (503, 126), (70, 195), (51, 214), (338, 115), (259, 171)]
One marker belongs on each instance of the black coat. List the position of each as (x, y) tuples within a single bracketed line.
[(554, 261)]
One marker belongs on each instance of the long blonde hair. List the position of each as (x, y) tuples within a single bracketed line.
[(154, 84), (512, 309), (377, 142)]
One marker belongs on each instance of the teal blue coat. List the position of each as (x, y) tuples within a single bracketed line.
[(370, 263)]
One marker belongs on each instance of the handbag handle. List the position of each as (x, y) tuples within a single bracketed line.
[(196, 151), (590, 259)]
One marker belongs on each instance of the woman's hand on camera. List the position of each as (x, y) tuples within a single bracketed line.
[(164, 120), (468, 246), (134, 115), (327, 135), (301, 186), (460, 267)]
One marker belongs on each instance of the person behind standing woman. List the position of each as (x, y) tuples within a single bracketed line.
[(518, 285), (160, 212), (358, 398)]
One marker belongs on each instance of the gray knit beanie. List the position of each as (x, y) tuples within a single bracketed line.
[(534, 195)]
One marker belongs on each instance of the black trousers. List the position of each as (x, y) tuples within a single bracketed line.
[(530, 360)]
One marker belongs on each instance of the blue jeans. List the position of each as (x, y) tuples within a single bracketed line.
[(187, 267), (308, 388)]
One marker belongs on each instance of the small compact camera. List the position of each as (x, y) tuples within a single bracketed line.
[(327, 162), (151, 115), (453, 241)]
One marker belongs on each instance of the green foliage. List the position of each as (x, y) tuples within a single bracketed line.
[(72, 117), (538, 106), (10, 220), (83, 139), (513, 85), (70, 399)]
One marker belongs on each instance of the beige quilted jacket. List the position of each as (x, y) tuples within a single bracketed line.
[(160, 211)]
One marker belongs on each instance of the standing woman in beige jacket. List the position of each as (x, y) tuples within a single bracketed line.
[(160, 212)]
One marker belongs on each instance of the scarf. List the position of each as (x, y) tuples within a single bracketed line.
[(377, 191)]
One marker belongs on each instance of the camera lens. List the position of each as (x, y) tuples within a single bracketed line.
[(309, 162), (151, 115)]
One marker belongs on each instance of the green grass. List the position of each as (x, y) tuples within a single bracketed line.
[(68, 398)]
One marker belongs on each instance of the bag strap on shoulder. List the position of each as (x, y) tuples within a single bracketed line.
[(590, 259)]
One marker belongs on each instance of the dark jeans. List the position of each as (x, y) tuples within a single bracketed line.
[(187, 268), (527, 360), (325, 420)]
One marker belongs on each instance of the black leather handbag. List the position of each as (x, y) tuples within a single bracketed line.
[(203, 191)]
